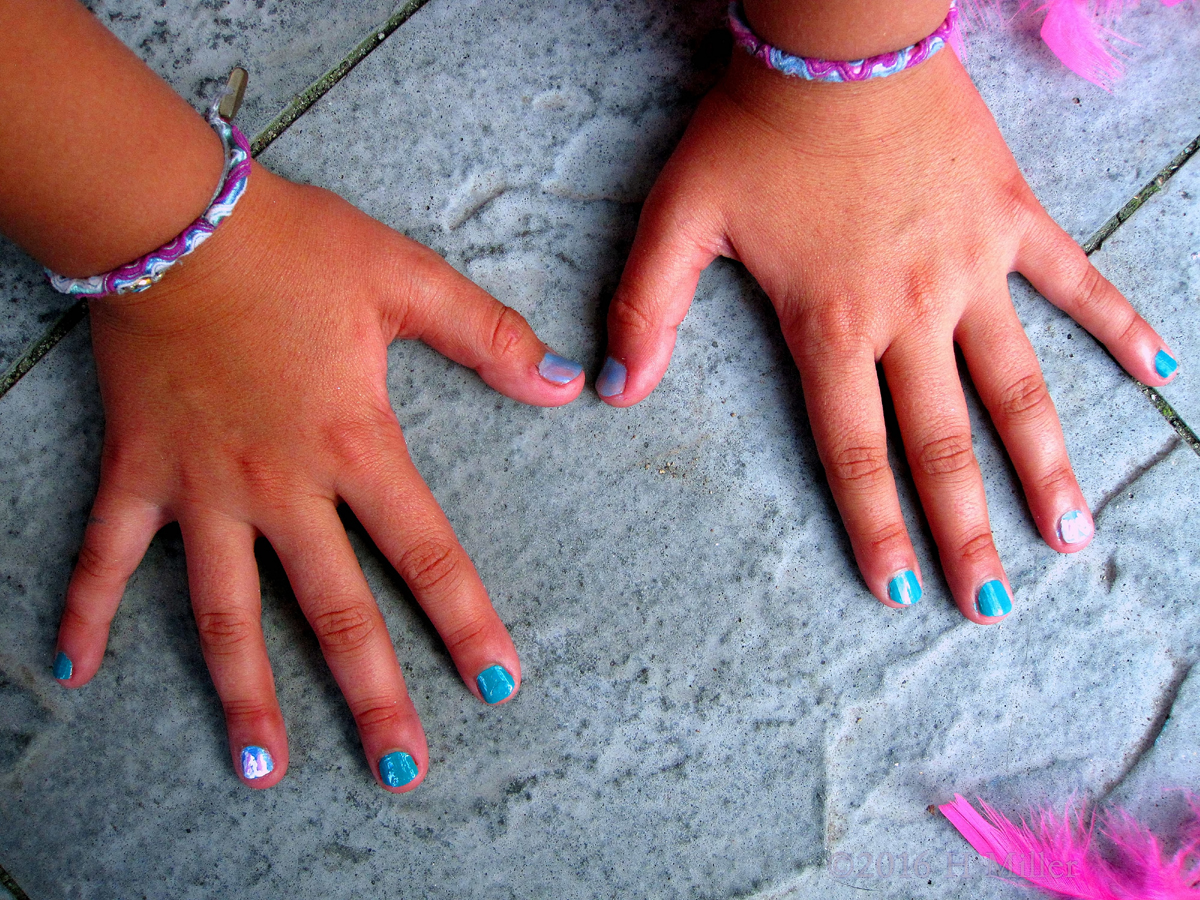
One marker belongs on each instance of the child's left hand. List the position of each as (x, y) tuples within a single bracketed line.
[(882, 219)]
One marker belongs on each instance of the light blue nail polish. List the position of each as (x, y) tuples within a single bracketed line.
[(63, 666), (993, 600), (905, 588), (397, 769), (495, 684), (1074, 527), (559, 369), (256, 762), (1164, 364), (611, 380)]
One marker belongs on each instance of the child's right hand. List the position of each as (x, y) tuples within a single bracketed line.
[(245, 395)]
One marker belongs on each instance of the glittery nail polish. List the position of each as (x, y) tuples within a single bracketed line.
[(904, 588), (495, 684), (611, 380), (992, 600), (1164, 364), (1074, 527), (558, 369), (63, 667), (397, 769), (256, 762)]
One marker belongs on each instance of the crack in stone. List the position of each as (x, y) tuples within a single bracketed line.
[(1167, 450), (1170, 694)]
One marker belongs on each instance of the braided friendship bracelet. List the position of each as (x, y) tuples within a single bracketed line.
[(142, 273), (835, 70)]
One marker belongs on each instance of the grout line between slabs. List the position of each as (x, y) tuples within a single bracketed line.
[(1096, 241), (273, 130), (11, 886)]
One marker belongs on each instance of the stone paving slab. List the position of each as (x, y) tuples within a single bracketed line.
[(713, 705), (1156, 255)]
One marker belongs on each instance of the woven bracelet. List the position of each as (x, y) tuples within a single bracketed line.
[(833, 69), (142, 273)]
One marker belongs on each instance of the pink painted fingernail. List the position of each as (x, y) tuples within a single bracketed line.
[(1074, 527)]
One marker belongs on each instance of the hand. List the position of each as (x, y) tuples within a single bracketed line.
[(882, 219), (244, 395)]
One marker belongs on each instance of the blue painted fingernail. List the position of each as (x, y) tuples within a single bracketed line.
[(1074, 527), (256, 762), (1164, 364), (993, 600), (905, 588), (63, 666), (611, 380), (559, 369), (495, 684), (397, 769)]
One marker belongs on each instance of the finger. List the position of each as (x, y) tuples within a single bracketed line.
[(389, 497), (1061, 271), (119, 530), (841, 391), (673, 246), (334, 596), (223, 578), (1005, 370), (932, 414), (460, 320)]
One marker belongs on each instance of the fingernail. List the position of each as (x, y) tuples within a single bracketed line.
[(256, 762), (611, 380), (904, 588), (992, 600), (397, 769), (1164, 364), (495, 684), (63, 666), (1074, 527), (559, 369)]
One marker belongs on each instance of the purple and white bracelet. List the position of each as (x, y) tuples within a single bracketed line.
[(835, 70), (142, 273)]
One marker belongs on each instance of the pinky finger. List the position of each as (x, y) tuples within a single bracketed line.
[(118, 532), (1064, 275)]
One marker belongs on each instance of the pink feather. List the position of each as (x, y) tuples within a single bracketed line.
[(1061, 855)]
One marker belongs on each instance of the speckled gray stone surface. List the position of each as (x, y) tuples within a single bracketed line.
[(712, 704)]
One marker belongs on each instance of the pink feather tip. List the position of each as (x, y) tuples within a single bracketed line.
[(1079, 38), (1060, 854)]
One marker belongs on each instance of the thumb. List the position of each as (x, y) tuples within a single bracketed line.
[(462, 321), (673, 246)]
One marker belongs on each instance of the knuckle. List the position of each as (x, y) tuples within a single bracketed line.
[(378, 714), (1090, 289), (857, 463), (1131, 328), (508, 332), (1025, 396), (629, 318), (466, 634), (345, 628), (225, 631), (244, 711), (949, 455), (977, 549), (885, 538), (95, 566), (1059, 480), (430, 565)]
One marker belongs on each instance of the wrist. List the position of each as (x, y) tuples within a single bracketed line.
[(846, 29)]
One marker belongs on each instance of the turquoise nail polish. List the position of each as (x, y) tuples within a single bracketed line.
[(1164, 364), (256, 762), (63, 666), (1074, 527), (611, 380), (904, 588), (992, 600), (397, 769), (495, 684), (559, 369)]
